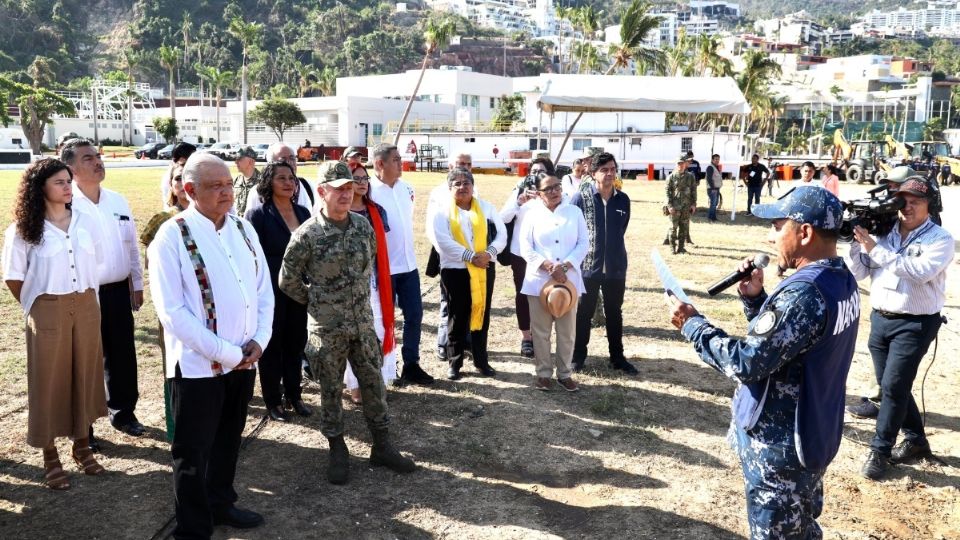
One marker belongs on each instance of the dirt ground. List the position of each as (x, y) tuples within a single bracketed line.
[(627, 457)]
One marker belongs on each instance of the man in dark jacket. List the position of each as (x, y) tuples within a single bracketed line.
[(607, 212)]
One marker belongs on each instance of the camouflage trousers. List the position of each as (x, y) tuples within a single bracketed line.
[(328, 352), (679, 229), (784, 499)]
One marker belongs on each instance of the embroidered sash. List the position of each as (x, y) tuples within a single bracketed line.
[(478, 276)]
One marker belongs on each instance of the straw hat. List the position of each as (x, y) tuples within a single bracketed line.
[(558, 298)]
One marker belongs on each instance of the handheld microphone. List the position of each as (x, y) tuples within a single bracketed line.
[(760, 261)]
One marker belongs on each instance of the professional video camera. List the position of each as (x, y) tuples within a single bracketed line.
[(877, 214)]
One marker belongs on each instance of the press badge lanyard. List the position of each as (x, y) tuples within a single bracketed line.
[(915, 237)]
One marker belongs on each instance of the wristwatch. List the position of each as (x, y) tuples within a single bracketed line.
[(565, 266)]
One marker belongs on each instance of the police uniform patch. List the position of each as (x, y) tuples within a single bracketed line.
[(765, 322)]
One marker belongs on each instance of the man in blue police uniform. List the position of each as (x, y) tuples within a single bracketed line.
[(792, 366)]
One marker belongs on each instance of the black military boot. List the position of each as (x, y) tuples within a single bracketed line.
[(338, 470), (383, 453)]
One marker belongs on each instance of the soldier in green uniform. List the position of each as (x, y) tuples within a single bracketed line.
[(681, 203), (246, 181), (327, 266)]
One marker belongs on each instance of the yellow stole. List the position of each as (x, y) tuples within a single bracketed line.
[(478, 276)]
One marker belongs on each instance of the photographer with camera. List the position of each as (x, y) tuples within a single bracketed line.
[(908, 276), (791, 368)]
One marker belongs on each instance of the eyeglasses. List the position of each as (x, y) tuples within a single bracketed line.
[(361, 179), (551, 189)]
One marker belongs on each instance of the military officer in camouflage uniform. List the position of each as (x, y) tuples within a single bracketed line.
[(791, 368), (327, 266), (246, 181), (681, 203)]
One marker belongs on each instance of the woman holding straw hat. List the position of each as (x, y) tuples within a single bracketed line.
[(554, 241), (468, 236)]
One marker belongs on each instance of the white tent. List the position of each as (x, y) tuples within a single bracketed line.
[(615, 93)]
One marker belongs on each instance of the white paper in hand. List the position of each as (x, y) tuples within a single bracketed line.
[(670, 283)]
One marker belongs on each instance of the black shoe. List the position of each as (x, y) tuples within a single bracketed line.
[(453, 373), (237, 518), (307, 371), (526, 348), (442, 354), (689, 241), (624, 366), (486, 370), (413, 373), (277, 413), (876, 466), (679, 251), (299, 406), (94, 442), (864, 409), (132, 428), (666, 242), (908, 451), (577, 366)]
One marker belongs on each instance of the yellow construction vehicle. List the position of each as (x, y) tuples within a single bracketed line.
[(861, 160), (926, 155)]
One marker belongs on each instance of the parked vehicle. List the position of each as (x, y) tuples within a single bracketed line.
[(261, 150), (220, 149), (149, 150), (166, 152)]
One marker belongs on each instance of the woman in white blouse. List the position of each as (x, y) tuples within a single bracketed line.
[(50, 258), (468, 234), (553, 241)]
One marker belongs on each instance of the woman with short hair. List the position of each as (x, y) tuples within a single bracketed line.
[(280, 365), (50, 259), (381, 289), (553, 241), (468, 236)]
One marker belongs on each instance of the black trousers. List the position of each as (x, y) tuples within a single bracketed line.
[(456, 285), (210, 414), (119, 352), (613, 290), (280, 365), (897, 345)]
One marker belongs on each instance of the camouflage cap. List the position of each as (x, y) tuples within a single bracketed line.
[(900, 174), (246, 151), (805, 204), (351, 151), (683, 158), (335, 174)]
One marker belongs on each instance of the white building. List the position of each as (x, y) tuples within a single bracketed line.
[(715, 8), (536, 17), (939, 17), (797, 28)]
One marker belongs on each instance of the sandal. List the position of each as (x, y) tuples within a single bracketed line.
[(54, 476), (526, 348), (87, 462)]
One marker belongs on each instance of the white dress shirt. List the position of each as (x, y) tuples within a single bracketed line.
[(513, 210), (440, 199), (121, 253), (397, 201), (62, 263), (909, 275), (558, 236), (242, 294), (570, 185), (452, 253)]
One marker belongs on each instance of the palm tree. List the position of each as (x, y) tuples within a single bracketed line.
[(563, 13), (436, 35), (170, 59), (589, 20), (131, 59), (327, 81), (248, 34), (218, 80), (707, 57), (305, 72), (636, 23)]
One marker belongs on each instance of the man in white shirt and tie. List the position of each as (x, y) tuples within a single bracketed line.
[(121, 281), (397, 198), (209, 281)]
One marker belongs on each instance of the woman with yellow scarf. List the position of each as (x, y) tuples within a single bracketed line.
[(468, 236)]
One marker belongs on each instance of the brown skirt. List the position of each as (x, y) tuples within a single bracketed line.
[(64, 367)]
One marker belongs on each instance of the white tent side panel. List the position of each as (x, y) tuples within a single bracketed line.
[(616, 93)]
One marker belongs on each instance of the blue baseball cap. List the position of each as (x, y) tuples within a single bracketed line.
[(805, 204)]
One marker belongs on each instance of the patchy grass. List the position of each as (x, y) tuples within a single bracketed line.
[(499, 459)]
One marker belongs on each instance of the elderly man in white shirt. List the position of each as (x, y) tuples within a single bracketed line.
[(211, 286), (908, 280), (397, 198), (121, 281), (306, 193)]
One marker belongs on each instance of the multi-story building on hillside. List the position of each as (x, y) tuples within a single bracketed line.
[(938, 18)]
